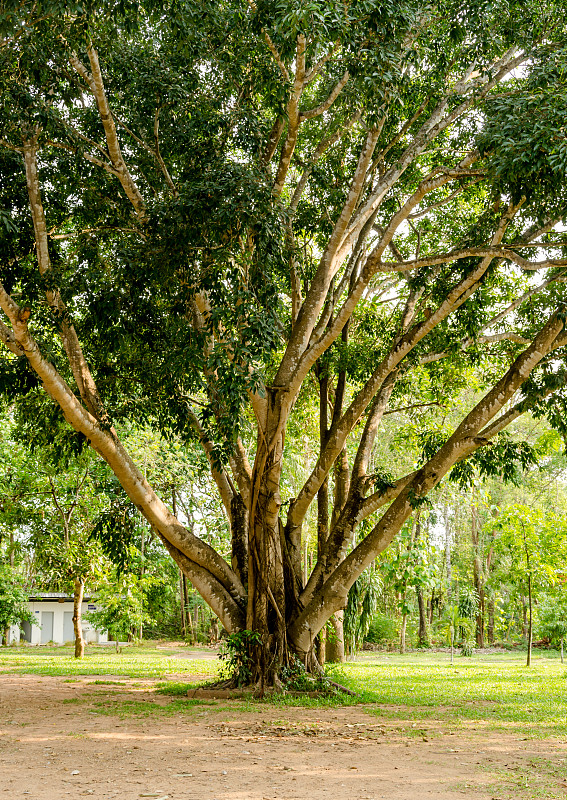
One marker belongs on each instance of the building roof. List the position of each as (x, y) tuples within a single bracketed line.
[(61, 596)]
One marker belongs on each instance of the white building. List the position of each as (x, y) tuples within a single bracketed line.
[(54, 614)]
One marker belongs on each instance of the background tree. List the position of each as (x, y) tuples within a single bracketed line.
[(14, 607), (122, 611), (65, 555), (553, 619), (535, 550)]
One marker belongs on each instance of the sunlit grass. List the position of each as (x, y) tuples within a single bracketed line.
[(488, 690), (132, 662)]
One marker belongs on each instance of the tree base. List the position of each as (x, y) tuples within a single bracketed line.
[(308, 686), (218, 692)]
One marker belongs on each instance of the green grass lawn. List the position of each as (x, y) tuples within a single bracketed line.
[(495, 690), (144, 662)]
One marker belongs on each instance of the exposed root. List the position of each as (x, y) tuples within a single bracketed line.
[(342, 688)]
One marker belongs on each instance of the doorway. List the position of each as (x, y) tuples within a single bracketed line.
[(46, 626)]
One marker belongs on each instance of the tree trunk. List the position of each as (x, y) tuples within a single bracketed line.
[(322, 502), (142, 571), (478, 573), (267, 589), (79, 589), (530, 599), (530, 622), (336, 643), (447, 547), (189, 632), (322, 534), (182, 610), (491, 609), (479, 633), (423, 626), (11, 560), (524, 619), (403, 633)]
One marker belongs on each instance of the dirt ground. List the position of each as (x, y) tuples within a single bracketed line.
[(55, 743)]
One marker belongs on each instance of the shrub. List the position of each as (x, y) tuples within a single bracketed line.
[(382, 630)]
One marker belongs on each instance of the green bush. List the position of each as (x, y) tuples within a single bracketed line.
[(382, 630), (236, 655)]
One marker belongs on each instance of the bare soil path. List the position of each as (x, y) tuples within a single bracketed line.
[(62, 739)]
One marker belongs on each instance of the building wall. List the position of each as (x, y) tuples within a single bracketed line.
[(42, 610)]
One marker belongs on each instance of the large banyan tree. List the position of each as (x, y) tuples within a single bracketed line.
[(212, 210)]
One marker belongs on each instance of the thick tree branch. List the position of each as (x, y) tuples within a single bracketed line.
[(241, 469), (219, 475), (504, 252), (293, 118), (372, 265), (95, 82), (221, 602), (8, 338), (366, 444), (464, 441), (321, 282), (437, 122), (337, 436), (326, 104), (106, 443), (81, 372)]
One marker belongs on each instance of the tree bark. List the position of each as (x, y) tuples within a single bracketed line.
[(403, 633), (525, 618), (423, 640), (490, 631), (79, 588), (530, 622), (530, 603), (266, 610), (239, 535), (322, 503), (336, 644), (182, 605), (142, 571), (447, 548), (478, 574), (189, 632)]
